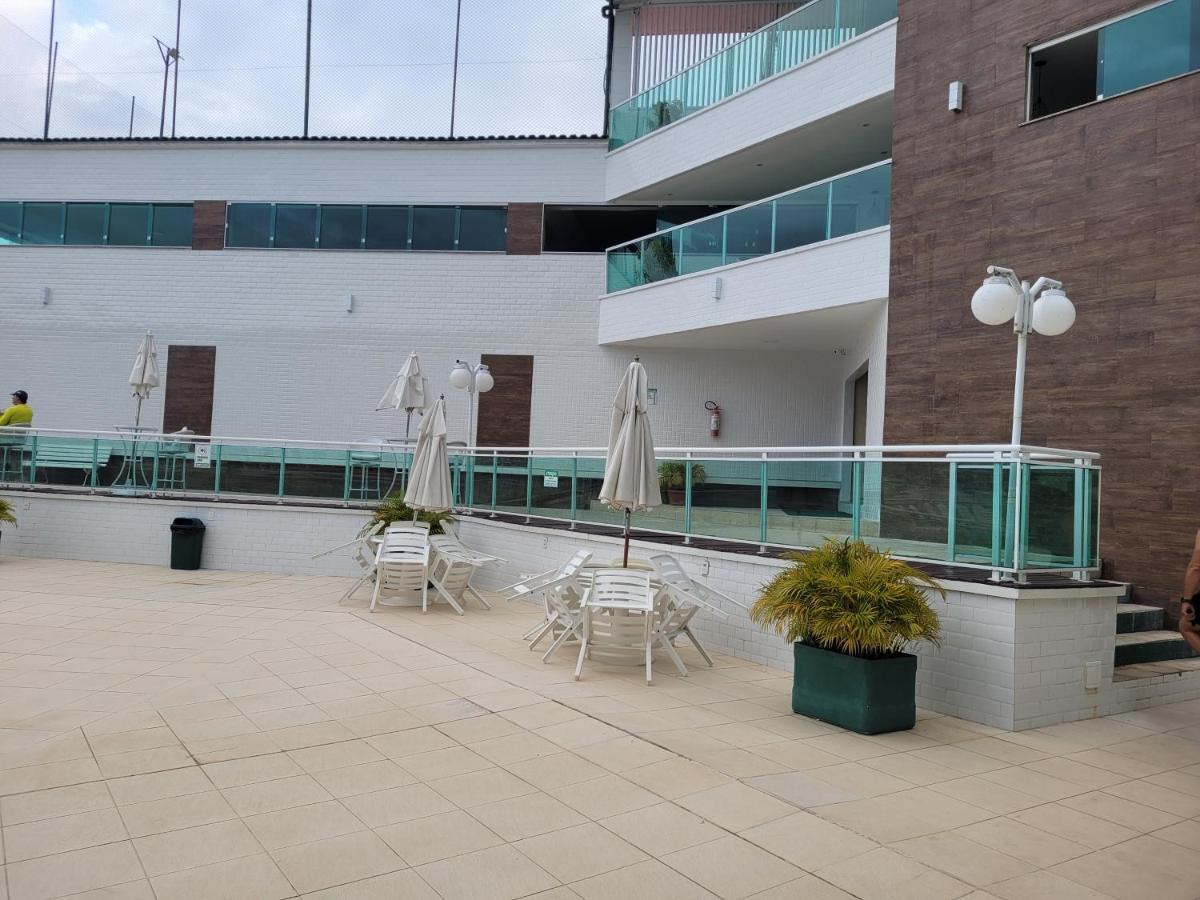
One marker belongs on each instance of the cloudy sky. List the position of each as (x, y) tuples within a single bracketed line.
[(380, 67)]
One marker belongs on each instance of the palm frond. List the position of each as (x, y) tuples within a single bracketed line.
[(393, 509), (6, 513)]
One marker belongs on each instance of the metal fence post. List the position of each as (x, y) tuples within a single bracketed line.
[(282, 468), (762, 506), (997, 513), (574, 487), (687, 499), (856, 495), (529, 487), (495, 477), (952, 513), (95, 464), (216, 470), (346, 470)]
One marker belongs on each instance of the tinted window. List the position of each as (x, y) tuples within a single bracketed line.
[(43, 223), (10, 222), (295, 225), (172, 225), (1063, 76), (802, 218), (387, 228), (433, 227), (249, 225), (748, 233), (593, 229), (341, 227), (85, 223), (128, 224), (481, 229), (861, 201)]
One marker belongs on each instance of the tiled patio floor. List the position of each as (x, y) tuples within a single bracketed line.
[(235, 735)]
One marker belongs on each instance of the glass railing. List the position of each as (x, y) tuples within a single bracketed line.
[(850, 203), (787, 42), (982, 507)]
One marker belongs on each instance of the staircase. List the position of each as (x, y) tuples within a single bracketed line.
[(1144, 648)]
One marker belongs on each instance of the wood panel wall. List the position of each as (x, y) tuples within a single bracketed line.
[(504, 411), (191, 373), (1105, 198), (524, 228), (208, 225)]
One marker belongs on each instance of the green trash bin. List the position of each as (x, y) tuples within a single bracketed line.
[(187, 540)]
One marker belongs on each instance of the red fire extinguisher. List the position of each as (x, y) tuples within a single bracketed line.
[(714, 418)]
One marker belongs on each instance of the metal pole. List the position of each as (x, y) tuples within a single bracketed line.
[(49, 71), (454, 83), (166, 55), (53, 76), (132, 104), (175, 95), (1022, 329), (308, 67)]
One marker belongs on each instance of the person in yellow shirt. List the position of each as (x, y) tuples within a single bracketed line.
[(20, 413)]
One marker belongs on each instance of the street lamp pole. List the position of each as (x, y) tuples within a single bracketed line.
[(473, 379)]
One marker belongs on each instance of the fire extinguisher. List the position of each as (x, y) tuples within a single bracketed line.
[(714, 418)]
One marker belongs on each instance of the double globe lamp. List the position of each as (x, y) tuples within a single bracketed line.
[(473, 379)]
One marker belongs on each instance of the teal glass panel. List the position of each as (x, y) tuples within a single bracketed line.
[(172, 225), (861, 201), (748, 233), (624, 267), (659, 255), (387, 227), (251, 469), (341, 227), (914, 507), (1145, 48), (433, 227), (726, 498), (249, 225), (296, 225), (482, 228), (808, 501), (1050, 516), (10, 223), (701, 245), (809, 31), (85, 224), (858, 16), (976, 509), (128, 224), (321, 474), (802, 218), (43, 223)]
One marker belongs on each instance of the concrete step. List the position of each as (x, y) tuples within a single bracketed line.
[(1188, 667), (1150, 646), (1136, 617)]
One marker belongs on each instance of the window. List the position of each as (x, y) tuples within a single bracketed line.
[(341, 227), (172, 225), (482, 228), (433, 227), (295, 226), (249, 225), (1152, 45), (10, 223), (93, 224), (593, 229), (43, 223), (85, 223), (861, 201), (129, 224), (387, 227)]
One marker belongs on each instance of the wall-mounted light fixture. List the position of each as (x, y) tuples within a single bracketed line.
[(718, 288), (349, 303), (45, 296), (956, 96)]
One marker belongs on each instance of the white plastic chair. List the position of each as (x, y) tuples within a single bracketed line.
[(612, 630), (687, 596), (363, 554), (536, 588), (402, 564), (450, 571)]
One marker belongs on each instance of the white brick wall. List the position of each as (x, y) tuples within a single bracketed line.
[(846, 76)]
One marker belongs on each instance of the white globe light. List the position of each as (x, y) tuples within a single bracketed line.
[(484, 381), (460, 376), (1053, 313), (996, 301)]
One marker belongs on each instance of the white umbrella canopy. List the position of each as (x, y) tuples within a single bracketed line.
[(630, 471), (144, 376), (429, 483), (408, 391)]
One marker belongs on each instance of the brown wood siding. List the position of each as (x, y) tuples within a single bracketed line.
[(524, 228), (1105, 198), (188, 400), (504, 411), (208, 225)]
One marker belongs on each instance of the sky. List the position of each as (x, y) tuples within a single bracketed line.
[(379, 68)]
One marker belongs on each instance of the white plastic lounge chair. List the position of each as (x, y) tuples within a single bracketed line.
[(672, 573), (450, 570), (564, 616), (618, 619), (534, 589), (364, 557), (402, 565), (687, 597)]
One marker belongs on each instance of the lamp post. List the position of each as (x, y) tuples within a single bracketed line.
[(1042, 307), (473, 379)]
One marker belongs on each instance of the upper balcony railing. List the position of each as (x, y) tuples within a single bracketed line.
[(787, 42), (847, 204), (1006, 510)]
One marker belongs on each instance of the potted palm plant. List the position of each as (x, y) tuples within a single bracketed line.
[(393, 509), (850, 611), (672, 475), (6, 513)]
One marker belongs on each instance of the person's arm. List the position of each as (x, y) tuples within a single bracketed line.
[(6, 417), (1188, 626), (1191, 578)]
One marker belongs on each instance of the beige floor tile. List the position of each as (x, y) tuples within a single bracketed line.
[(849, 747), (498, 873), (58, 835), (479, 728), (606, 796), (885, 819), (884, 874), (859, 779), (963, 859), (1125, 871), (48, 775), (1032, 845), (303, 824), (912, 768), (159, 786), (21, 808), (514, 748), (237, 772), (1002, 750), (808, 841), (555, 771), (739, 763), (540, 715), (735, 806), (338, 860), (364, 778), (173, 813), (129, 890), (236, 746), (269, 796), (245, 878), (674, 777), (371, 724), (580, 852), (335, 756), (187, 848), (526, 816), (646, 879), (139, 762), (1127, 766), (624, 753), (579, 733), (125, 741), (446, 711), (400, 804), (661, 829), (1168, 792), (73, 872), (1129, 813), (1181, 833), (957, 758), (1044, 886), (437, 837), (1073, 825), (731, 867), (987, 794), (1089, 777), (402, 885), (301, 736), (410, 742), (797, 756), (808, 887), (444, 763), (801, 789), (485, 786)]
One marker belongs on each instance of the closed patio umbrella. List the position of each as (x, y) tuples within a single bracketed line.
[(408, 391), (429, 483), (630, 472), (144, 377)]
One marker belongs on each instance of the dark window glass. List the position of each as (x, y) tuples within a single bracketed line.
[(85, 223), (249, 225), (128, 224), (802, 218), (593, 229), (295, 225), (387, 227), (433, 228), (748, 233), (1063, 75), (43, 223), (481, 229), (172, 225), (862, 201), (341, 227), (10, 223), (701, 246)]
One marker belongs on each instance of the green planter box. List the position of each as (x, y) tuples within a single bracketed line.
[(870, 696)]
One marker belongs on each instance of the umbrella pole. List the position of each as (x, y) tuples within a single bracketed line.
[(625, 564)]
